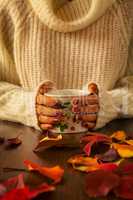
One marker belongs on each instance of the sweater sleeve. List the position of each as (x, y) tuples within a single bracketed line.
[(118, 103), (17, 104)]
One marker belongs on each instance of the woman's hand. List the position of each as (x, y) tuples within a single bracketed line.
[(47, 113), (86, 108)]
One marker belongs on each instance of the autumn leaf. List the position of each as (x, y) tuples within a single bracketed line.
[(125, 188), (92, 139), (55, 173), (2, 140), (40, 189), (100, 183), (48, 142), (130, 142), (124, 150), (82, 160), (88, 164), (119, 135), (125, 168), (109, 156), (15, 187), (13, 142)]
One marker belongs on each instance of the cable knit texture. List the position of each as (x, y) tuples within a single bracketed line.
[(70, 43)]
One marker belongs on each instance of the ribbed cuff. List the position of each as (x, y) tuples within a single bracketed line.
[(108, 110), (30, 102)]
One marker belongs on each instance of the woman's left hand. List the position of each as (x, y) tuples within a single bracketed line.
[(87, 107)]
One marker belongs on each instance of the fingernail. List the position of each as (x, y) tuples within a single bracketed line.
[(56, 120)]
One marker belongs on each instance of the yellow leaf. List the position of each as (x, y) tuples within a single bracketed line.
[(124, 150), (82, 160), (129, 142), (59, 137), (86, 168), (119, 135)]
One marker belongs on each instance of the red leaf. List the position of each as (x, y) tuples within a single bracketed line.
[(108, 166), (92, 139), (100, 183), (87, 148), (125, 168), (11, 183), (2, 190), (15, 194), (18, 189), (41, 189), (55, 173), (125, 188)]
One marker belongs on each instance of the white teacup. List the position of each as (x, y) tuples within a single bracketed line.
[(65, 96)]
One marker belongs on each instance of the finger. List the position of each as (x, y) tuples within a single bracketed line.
[(46, 126), (89, 125), (89, 109), (47, 86), (51, 112), (47, 120), (89, 118), (45, 100), (85, 100), (93, 89)]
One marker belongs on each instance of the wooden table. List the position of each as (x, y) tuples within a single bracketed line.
[(73, 185)]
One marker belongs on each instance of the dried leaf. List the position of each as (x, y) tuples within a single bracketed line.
[(108, 166), (40, 189), (125, 168), (87, 148), (3, 190), (84, 168), (48, 142), (55, 173), (92, 139), (15, 187), (95, 166), (13, 142), (100, 183), (125, 151), (110, 156), (130, 142), (27, 194), (82, 160), (125, 188), (119, 135), (14, 194), (2, 140)]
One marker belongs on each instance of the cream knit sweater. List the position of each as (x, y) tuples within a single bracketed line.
[(71, 43)]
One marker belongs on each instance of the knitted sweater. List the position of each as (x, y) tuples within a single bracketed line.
[(70, 43)]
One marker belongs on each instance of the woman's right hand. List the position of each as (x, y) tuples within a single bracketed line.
[(47, 113)]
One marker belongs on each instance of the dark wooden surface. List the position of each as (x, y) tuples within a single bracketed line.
[(73, 185)]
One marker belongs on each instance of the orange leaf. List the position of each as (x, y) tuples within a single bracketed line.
[(130, 142), (88, 164), (86, 169), (55, 173), (83, 160), (119, 135), (91, 168), (124, 150)]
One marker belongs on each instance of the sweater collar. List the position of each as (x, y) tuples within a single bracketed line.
[(69, 16)]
